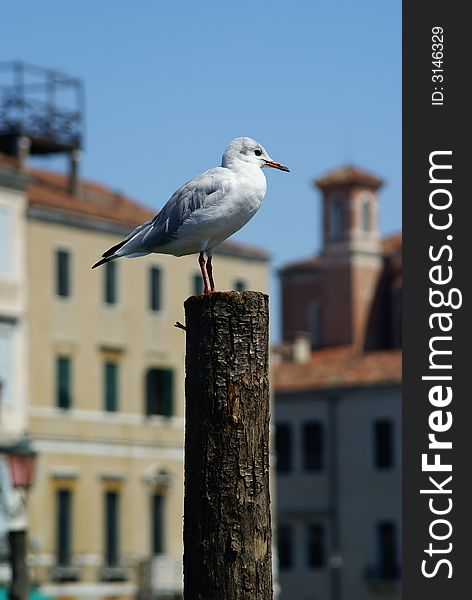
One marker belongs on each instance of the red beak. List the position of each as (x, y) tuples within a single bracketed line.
[(276, 165)]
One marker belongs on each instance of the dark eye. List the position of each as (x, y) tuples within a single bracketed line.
[(257, 151)]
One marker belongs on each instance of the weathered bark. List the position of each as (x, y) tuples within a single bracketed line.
[(227, 532)]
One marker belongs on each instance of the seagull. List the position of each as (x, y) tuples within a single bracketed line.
[(204, 211)]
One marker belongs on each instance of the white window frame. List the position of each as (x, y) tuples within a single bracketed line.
[(6, 241)]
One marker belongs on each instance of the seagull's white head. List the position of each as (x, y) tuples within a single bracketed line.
[(247, 150)]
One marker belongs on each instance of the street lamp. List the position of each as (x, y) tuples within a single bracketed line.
[(22, 463), (21, 459)]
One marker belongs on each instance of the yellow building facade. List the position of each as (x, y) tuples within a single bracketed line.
[(106, 393)]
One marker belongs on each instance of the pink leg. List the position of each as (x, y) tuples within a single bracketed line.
[(201, 262), (209, 268)]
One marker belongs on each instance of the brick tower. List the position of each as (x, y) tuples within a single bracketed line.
[(351, 254), (330, 296)]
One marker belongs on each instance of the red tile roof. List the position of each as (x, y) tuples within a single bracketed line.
[(339, 367), (51, 190), (348, 175)]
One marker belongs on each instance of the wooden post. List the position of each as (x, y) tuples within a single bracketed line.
[(227, 532)]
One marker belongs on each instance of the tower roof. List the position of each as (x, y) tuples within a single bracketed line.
[(348, 175)]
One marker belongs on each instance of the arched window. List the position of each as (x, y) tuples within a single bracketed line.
[(366, 215), (314, 323), (336, 217)]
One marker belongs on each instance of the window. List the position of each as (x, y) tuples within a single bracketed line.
[(197, 284), (110, 292), (112, 520), (111, 386), (63, 284), (336, 218), (383, 444), (6, 241), (63, 382), (63, 527), (314, 322), (316, 546), (313, 446), (157, 512), (155, 283), (365, 216), (285, 546), (240, 285), (6, 350), (387, 551), (283, 447), (159, 392)]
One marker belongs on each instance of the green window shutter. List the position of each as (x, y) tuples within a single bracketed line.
[(63, 382), (63, 527), (111, 386), (167, 391), (157, 510), (155, 289), (239, 285), (110, 283), (112, 520), (159, 392), (197, 284), (63, 287), (151, 391)]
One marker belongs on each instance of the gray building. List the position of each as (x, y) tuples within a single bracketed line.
[(339, 476), (338, 406)]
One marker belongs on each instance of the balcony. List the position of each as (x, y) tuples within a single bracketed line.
[(162, 577), (114, 574), (43, 105), (65, 574)]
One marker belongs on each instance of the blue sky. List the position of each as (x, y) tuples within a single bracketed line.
[(169, 84)]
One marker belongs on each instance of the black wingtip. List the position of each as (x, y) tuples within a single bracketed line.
[(113, 249), (101, 262)]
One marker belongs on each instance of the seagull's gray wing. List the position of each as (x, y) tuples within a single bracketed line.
[(198, 193)]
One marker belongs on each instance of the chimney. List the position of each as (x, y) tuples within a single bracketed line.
[(301, 348), (23, 146), (74, 182)]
